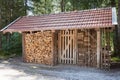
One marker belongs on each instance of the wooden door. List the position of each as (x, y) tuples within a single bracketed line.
[(67, 47)]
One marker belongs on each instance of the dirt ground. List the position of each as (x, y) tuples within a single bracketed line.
[(15, 69)]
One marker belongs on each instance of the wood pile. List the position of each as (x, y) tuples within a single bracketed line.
[(105, 59), (87, 48), (38, 47), (106, 48)]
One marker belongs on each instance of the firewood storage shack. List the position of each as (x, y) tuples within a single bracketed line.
[(78, 37)]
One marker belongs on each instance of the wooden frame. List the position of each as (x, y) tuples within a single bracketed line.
[(67, 47)]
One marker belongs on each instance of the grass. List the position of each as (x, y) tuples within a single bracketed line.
[(115, 59), (6, 55)]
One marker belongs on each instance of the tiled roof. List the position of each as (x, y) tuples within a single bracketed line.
[(93, 18)]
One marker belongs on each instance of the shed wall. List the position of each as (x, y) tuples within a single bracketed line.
[(42, 47)]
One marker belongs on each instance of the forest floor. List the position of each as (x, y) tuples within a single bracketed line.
[(15, 69)]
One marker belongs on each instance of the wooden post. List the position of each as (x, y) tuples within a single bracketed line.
[(98, 47), (76, 48), (59, 46), (53, 48), (23, 46)]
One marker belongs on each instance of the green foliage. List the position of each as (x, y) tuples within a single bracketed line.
[(42, 6), (15, 44), (12, 9), (9, 11)]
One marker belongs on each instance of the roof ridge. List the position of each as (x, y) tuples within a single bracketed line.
[(68, 12)]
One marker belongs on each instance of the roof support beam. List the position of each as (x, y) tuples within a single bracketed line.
[(98, 47), (53, 31)]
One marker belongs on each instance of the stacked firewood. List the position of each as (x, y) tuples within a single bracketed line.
[(86, 48), (38, 47)]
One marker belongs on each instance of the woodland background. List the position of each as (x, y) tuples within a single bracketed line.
[(11, 44)]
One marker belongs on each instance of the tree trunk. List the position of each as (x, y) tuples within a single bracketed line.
[(0, 32), (26, 6), (113, 4), (62, 4), (45, 7), (0, 40), (73, 3), (118, 37)]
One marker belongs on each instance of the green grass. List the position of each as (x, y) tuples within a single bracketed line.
[(115, 59), (6, 55)]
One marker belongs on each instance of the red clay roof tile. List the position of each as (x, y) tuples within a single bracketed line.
[(93, 18)]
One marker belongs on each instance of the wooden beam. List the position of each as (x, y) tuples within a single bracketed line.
[(52, 49), (23, 46), (53, 31), (98, 47), (76, 48), (19, 32), (4, 32), (10, 32), (41, 30)]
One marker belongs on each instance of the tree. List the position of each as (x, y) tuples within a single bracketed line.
[(10, 10), (42, 6), (118, 28), (62, 4)]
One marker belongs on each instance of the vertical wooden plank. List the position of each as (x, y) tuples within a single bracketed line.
[(63, 53), (62, 37), (98, 48), (23, 46), (101, 56), (65, 47), (62, 47), (69, 46), (73, 36), (76, 47), (89, 55), (52, 48), (59, 47), (73, 49)]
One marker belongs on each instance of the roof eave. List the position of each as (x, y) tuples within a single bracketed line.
[(56, 28), (9, 24)]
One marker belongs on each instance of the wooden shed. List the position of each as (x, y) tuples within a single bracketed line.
[(77, 37)]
